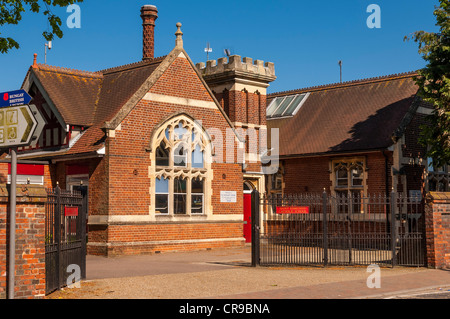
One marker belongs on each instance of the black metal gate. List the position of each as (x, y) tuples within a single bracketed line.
[(319, 229), (65, 237)]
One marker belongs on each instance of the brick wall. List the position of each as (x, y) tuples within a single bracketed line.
[(150, 238), (437, 227), (126, 181), (306, 175), (312, 174), (30, 245), (243, 106), (246, 108), (128, 159)]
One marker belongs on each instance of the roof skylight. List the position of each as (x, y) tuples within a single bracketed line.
[(286, 106)]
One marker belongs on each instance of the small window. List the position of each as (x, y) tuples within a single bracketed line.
[(162, 196), (197, 194), (180, 131), (357, 175), (162, 155), (27, 174), (179, 194), (350, 201), (197, 157), (273, 106), (27, 179), (180, 156), (349, 184), (283, 106), (341, 175)]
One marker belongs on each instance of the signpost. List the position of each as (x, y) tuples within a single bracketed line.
[(20, 124), (14, 98), (17, 125)]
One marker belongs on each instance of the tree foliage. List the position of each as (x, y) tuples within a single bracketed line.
[(434, 85), (11, 13)]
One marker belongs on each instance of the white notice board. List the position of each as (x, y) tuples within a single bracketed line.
[(228, 197)]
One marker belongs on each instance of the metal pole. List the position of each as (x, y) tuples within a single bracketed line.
[(393, 228), (325, 227), (58, 234), (353, 201), (83, 217), (255, 229), (12, 229)]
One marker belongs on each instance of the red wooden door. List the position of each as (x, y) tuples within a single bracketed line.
[(248, 218)]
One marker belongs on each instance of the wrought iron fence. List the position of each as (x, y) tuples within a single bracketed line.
[(65, 236), (320, 229)]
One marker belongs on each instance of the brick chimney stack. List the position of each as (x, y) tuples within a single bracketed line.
[(149, 14)]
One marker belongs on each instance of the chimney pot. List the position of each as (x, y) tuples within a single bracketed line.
[(149, 14)]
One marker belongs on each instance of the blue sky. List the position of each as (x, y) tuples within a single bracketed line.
[(305, 39)]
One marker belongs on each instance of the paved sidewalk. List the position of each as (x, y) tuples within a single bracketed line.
[(391, 286), (166, 263), (226, 274)]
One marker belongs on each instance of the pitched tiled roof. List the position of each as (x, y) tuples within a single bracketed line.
[(91, 98), (91, 140), (86, 98), (120, 84), (346, 117), (73, 92)]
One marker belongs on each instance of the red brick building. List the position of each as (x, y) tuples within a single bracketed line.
[(169, 150), (162, 154), (358, 138)]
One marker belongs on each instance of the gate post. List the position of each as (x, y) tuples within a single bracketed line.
[(325, 227), (255, 229), (84, 213), (393, 228), (57, 230)]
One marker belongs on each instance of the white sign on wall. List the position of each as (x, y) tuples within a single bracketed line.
[(228, 197)]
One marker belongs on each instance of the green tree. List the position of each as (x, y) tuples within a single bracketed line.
[(434, 85), (11, 13)]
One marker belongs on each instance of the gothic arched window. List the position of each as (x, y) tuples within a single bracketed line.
[(180, 169)]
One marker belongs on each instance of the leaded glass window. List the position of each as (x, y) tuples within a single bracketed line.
[(181, 169)]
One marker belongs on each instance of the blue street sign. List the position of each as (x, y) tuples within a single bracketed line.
[(14, 98)]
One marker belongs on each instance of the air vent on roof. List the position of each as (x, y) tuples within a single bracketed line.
[(286, 106)]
